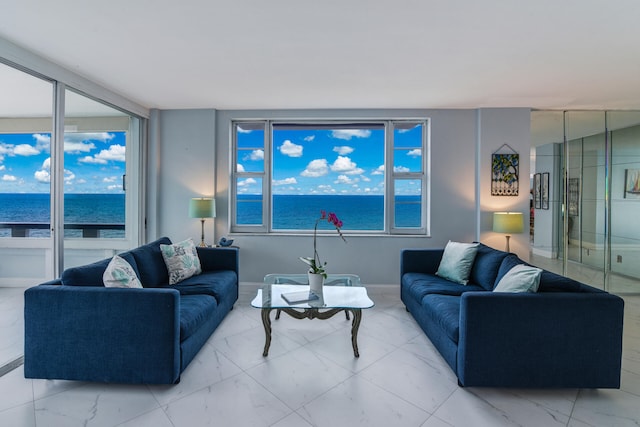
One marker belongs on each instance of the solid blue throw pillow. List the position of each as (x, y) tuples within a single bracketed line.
[(457, 261)]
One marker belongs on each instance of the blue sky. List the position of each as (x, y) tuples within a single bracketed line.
[(93, 163), (331, 162)]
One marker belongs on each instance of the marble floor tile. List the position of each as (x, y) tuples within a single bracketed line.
[(300, 376), (358, 402), (208, 367), (611, 408), (94, 405), (466, 408), (237, 401), (155, 418), (422, 380), (19, 416)]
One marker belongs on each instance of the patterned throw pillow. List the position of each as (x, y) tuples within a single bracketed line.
[(120, 274), (182, 260)]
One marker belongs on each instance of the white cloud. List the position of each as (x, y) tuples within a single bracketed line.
[(346, 166), (324, 188), (290, 149), (92, 160), (9, 178), (316, 168), (114, 187), (347, 134), (114, 153), (286, 181), (365, 178), (69, 176), (256, 155), (25, 150), (415, 153), (43, 142), (47, 163), (378, 171), (401, 169), (343, 150), (309, 138), (240, 130), (239, 168), (110, 179), (2, 167), (78, 147), (344, 179), (246, 182), (77, 137), (42, 176)]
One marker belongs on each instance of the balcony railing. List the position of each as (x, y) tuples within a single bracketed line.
[(22, 229)]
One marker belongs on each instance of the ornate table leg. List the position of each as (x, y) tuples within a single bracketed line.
[(357, 317), (266, 322)]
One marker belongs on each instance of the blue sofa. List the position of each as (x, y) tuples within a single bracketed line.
[(565, 335), (77, 329)]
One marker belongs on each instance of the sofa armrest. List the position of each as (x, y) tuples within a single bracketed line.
[(543, 339), (102, 334), (420, 261), (212, 259)]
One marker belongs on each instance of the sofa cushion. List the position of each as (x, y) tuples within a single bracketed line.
[(120, 274), (444, 310), (420, 284), (486, 266), (181, 260), (521, 278), (194, 311), (152, 270), (222, 285), (91, 274), (457, 261)]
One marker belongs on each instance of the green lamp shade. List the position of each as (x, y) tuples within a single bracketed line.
[(202, 207), (507, 222)]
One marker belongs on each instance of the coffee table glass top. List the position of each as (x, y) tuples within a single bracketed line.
[(340, 291)]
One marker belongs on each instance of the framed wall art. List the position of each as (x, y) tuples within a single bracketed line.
[(544, 191), (573, 196), (632, 183), (537, 193), (505, 169)]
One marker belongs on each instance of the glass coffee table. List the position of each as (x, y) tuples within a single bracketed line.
[(341, 292)]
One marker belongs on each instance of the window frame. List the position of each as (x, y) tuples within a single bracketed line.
[(390, 180)]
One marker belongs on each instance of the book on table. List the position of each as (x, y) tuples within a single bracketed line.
[(300, 297)]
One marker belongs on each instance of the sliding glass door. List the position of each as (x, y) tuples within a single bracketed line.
[(26, 127), (99, 180), (70, 174)]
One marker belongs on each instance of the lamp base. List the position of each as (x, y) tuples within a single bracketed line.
[(507, 248), (202, 243)]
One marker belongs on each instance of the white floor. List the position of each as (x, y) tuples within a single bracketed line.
[(311, 378)]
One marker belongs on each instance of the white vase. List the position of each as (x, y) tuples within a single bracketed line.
[(315, 283)]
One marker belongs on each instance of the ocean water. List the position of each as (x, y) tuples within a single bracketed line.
[(356, 212), (78, 209), (290, 212)]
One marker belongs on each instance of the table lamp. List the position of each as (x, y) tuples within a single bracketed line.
[(202, 207), (507, 222)]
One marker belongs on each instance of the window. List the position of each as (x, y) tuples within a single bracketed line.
[(372, 174)]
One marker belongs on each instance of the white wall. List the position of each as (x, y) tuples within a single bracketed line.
[(461, 204)]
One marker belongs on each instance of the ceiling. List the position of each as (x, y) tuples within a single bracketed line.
[(280, 54)]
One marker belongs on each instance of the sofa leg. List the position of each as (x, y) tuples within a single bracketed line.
[(177, 381), (460, 384)]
